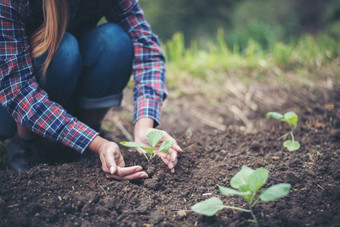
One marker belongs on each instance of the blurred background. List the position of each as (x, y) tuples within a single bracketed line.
[(261, 20), (229, 62)]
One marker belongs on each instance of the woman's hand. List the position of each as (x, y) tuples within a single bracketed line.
[(142, 128), (112, 161)]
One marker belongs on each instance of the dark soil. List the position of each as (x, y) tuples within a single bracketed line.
[(78, 193)]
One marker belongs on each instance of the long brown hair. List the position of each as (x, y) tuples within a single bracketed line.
[(49, 35)]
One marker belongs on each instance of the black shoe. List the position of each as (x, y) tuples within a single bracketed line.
[(23, 154)]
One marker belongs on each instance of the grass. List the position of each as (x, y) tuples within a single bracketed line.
[(297, 61)]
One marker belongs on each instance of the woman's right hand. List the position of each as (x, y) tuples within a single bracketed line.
[(112, 161)]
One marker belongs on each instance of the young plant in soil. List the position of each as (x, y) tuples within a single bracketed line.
[(247, 183), (291, 118), (153, 137)]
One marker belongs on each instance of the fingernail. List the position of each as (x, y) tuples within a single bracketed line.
[(139, 168), (143, 175), (177, 147), (111, 170)]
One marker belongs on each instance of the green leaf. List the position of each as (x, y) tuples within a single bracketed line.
[(257, 179), (291, 145), (130, 144), (241, 178), (274, 115), (208, 207), (149, 150), (165, 146), (154, 137), (244, 188), (230, 191), (291, 118), (275, 192)]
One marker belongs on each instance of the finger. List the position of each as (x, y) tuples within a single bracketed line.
[(172, 160), (124, 171), (175, 146), (120, 162), (165, 160), (129, 177), (173, 155), (104, 167), (110, 162), (113, 168), (162, 154)]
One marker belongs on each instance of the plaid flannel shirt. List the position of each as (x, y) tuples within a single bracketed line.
[(29, 104)]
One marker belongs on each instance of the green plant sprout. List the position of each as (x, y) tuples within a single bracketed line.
[(247, 182), (291, 118), (153, 137)]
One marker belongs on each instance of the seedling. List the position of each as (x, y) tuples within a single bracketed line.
[(291, 118), (153, 137), (247, 182)]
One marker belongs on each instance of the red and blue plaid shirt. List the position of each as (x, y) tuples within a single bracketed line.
[(28, 103)]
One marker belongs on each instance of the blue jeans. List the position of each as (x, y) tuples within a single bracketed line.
[(88, 73)]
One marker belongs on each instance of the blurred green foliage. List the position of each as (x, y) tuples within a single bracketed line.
[(259, 20), (304, 56)]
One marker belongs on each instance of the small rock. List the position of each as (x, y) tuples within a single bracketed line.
[(151, 170), (223, 151), (156, 217), (255, 147), (102, 211), (292, 178), (85, 223), (151, 183), (144, 206), (276, 158), (181, 214)]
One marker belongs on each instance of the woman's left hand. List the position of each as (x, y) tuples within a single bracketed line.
[(142, 127)]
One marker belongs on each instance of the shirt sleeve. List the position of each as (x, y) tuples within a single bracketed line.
[(149, 62), (20, 93)]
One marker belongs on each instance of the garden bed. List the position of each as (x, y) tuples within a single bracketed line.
[(78, 193)]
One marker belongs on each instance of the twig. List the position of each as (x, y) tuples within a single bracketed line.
[(207, 121), (242, 117), (320, 187), (101, 187), (248, 97), (241, 97), (182, 210), (284, 135), (121, 127)]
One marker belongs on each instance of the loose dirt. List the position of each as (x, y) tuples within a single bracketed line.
[(77, 193)]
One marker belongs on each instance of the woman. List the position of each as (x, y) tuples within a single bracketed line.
[(58, 67)]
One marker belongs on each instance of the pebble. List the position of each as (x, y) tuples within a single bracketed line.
[(276, 158), (156, 217), (181, 214)]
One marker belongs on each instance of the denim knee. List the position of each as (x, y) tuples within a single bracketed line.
[(7, 125), (63, 72), (107, 53)]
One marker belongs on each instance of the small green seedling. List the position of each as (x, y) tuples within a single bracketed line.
[(246, 184), (153, 137), (291, 118)]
